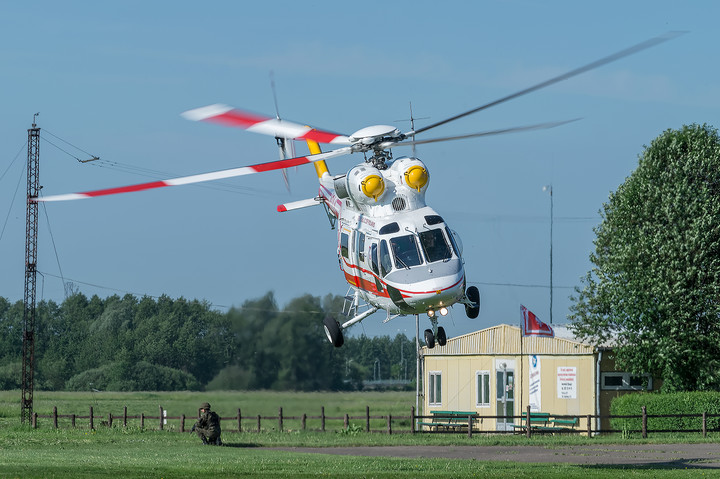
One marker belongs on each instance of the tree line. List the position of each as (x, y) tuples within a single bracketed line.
[(133, 344)]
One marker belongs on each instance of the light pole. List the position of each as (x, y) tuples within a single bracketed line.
[(550, 190)]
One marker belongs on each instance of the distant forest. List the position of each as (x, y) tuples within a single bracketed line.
[(165, 344)]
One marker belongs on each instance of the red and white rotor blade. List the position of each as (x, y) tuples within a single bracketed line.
[(216, 175), (229, 116)]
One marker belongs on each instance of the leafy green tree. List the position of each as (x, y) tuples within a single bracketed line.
[(654, 290)]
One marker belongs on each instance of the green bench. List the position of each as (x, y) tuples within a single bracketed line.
[(565, 422), (545, 422), (448, 419)]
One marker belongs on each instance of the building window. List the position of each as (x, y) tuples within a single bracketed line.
[(482, 388), (618, 381), (435, 388)]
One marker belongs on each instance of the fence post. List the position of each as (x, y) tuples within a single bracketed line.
[(258, 423), (704, 424), (125, 416), (322, 418), (92, 423), (367, 418), (142, 420), (470, 426), (160, 418), (304, 421), (239, 419), (644, 422), (55, 419), (280, 420), (34, 420), (389, 424), (527, 423), (412, 420), (346, 421), (589, 426), (109, 420), (182, 423), (73, 420)]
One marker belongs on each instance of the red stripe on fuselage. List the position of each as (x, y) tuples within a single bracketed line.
[(405, 293)]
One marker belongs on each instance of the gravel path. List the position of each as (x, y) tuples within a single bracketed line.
[(681, 456)]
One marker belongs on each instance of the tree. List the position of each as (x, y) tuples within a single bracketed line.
[(654, 290)]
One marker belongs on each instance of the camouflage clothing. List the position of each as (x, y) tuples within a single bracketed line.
[(207, 427)]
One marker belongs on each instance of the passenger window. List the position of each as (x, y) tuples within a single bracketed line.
[(434, 245), (344, 245), (385, 262), (405, 251), (361, 246)]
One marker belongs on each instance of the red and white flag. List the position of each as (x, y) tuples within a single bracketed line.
[(532, 326)]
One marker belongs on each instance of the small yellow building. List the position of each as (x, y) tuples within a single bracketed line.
[(497, 372)]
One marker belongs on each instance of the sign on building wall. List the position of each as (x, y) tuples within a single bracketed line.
[(535, 383), (567, 382)]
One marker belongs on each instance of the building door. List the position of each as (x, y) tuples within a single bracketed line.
[(505, 383)]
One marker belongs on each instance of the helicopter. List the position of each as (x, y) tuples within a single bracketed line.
[(395, 251)]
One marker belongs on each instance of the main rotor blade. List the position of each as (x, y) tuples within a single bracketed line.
[(229, 116), (216, 175), (590, 66), (515, 129)]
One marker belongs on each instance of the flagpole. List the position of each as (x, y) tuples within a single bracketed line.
[(522, 377)]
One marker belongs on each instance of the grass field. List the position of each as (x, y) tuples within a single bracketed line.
[(132, 452)]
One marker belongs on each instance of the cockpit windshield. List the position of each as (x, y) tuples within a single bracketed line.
[(434, 245), (405, 251)]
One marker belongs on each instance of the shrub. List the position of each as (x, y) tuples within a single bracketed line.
[(666, 404)]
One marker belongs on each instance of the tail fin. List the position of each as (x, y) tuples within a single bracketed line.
[(320, 166)]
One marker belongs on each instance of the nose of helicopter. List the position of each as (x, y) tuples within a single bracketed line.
[(438, 292)]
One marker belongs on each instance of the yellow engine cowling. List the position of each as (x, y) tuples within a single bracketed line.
[(416, 177), (366, 184)]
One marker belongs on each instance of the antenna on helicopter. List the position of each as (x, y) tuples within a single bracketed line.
[(412, 128)]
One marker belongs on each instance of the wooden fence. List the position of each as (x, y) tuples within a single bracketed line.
[(247, 423), (390, 424)]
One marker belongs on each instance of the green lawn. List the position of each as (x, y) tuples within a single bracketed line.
[(118, 453), (132, 452)]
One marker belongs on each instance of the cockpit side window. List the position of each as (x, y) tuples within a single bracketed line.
[(374, 258), (405, 251), (385, 262), (456, 247), (434, 245)]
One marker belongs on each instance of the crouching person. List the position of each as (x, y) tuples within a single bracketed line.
[(207, 426)]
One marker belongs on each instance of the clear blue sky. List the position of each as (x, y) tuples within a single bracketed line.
[(113, 77)]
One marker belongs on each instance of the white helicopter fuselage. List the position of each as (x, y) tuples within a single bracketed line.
[(396, 252)]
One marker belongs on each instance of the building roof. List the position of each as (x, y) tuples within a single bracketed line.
[(507, 339)]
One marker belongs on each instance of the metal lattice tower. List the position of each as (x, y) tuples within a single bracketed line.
[(31, 235)]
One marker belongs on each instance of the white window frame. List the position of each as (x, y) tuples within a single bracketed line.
[(625, 381), (435, 388), (482, 378)]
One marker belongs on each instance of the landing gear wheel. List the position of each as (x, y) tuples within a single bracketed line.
[(441, 337), (474, 296), (333, 332), (429, 339)]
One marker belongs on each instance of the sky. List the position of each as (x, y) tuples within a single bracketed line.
[(110, 79)]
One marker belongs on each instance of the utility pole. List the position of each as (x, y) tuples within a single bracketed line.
[(31, 235), (550, 189)]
